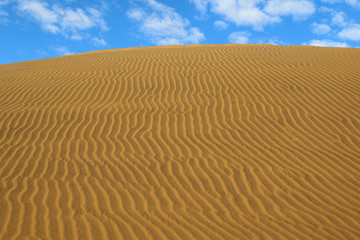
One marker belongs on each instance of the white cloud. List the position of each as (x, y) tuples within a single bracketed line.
[(326, 43), (55, 19), (256, 13), (99, 41), (351, 33), (3, 13), (221, 25), (3, 16), (40, 12), (331, 1), (243, 12), (63, 51), (353, 3), (275, 41), (339, 18), (241, 37), (297, 8), (320, 29), (136, 14), (164, 26), (200, 5), (78, 19), (323, 9)]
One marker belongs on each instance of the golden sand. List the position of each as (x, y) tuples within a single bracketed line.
[(182, 142)]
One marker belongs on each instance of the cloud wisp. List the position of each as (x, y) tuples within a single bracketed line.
[(320, 28), (256, 13), (3, 13), (241, 37), (221, 25), (72, 23), (352, 3), (351, 33), (163, 25), (63, 51), (299, 9), (326, 43)]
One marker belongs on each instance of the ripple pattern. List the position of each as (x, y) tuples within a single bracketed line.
[(182, 142)]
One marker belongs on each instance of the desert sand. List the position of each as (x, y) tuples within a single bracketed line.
[(182, 142)]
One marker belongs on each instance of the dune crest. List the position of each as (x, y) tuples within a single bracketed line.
[(182, 142)]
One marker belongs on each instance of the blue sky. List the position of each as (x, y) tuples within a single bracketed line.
[(34, 29)]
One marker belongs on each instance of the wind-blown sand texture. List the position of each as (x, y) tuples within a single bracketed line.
[(182, 142)]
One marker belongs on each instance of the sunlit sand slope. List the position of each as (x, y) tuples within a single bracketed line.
[(188, 142)]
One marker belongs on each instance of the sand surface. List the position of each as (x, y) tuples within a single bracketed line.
[(187, 142)]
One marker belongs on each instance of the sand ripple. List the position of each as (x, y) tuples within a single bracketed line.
[(189, 142)]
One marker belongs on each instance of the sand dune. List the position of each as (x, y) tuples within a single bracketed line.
[(182, 142)]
